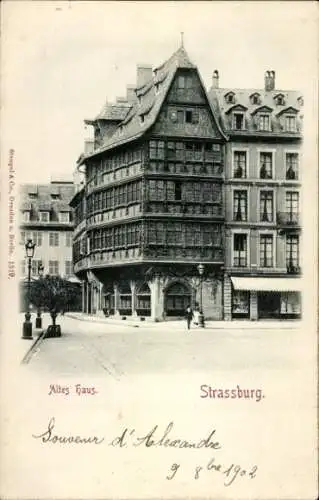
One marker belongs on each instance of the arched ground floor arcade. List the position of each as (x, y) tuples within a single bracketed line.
[(163, 293), (150, 293)]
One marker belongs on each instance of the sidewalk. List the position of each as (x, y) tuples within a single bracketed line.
[(180, 324), (23, 346)]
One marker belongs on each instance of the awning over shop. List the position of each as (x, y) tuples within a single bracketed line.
[(267, 284)]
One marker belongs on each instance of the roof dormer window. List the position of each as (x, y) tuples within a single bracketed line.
[(290, 123), (230, 98), (264, 122), (280, 99), (255, 98), (238, 121)]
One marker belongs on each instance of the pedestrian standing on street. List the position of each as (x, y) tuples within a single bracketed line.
[(189, 316)]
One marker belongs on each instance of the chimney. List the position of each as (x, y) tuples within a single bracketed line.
[(144, 74), (88, 146), (130, 94), (270, 80), (215, 79)]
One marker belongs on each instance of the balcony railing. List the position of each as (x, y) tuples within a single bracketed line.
[(288, 218)]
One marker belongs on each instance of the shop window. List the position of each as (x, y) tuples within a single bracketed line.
[(177, 298), (240, 250), (240, 303), (292, 165), (240, 205), (266, 208), (266, 249), (290, 303)]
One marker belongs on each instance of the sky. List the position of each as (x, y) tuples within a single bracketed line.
[(62, 60)]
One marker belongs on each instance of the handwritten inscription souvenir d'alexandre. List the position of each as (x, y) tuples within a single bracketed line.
[(156, 437)]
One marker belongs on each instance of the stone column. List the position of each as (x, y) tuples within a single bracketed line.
[(134, 298), (157, 299), (227, 298), (88, 286), (116, 299), (253, 305), (83, 286)]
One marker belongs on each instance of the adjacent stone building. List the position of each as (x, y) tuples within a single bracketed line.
[(176, 176), (46, 217), (262, 199)]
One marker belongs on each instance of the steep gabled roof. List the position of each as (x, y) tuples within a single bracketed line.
[(151, 97)]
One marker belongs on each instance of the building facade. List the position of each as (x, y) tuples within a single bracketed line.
[(262, 196), (176, 176), (47, 218)]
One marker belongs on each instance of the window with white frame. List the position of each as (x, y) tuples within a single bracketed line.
[(64, 216), (264, 122), (37, 238), (266, 250), (35, 267), (68, 267), (54, 239), (266, 165), (240, 164), (290, 123), (240, 251), (22, 268), (44, 216), (292, 205), (292, 251), (230, 98), (238, 121), (292, 166), (54, 267), (240, 205), (68, 239), (266, 206), (26, 216)]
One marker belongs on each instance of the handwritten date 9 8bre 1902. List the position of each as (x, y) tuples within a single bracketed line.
[(159, 437)]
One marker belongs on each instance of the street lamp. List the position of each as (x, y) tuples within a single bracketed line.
[(27, 325), (200, 269), (38, 320)]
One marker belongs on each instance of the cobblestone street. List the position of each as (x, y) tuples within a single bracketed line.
[(116, 349)]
